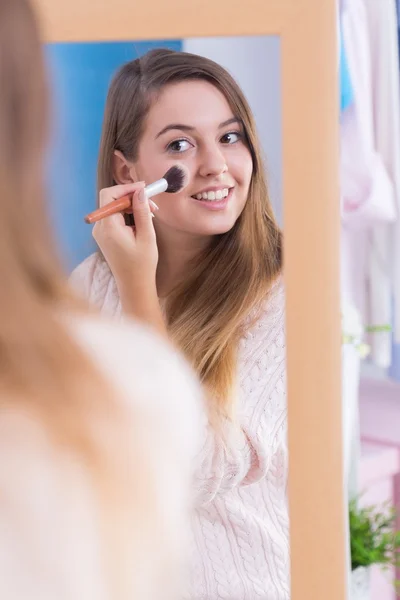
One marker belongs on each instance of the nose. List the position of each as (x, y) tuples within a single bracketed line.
[(212, 162)]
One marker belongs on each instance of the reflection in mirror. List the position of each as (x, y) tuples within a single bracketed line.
[(80, 75), (213, 266), (255, 64)]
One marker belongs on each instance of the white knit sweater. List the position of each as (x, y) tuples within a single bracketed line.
[(241, 546)]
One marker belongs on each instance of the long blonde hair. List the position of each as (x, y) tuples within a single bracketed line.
[(43, 372), (231, 279)]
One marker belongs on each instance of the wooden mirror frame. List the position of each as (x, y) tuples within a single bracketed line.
[(309, 62)]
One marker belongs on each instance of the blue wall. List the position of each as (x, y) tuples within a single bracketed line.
[(80, 75)]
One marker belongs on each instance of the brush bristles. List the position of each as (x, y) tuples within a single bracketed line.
[(177, 178)]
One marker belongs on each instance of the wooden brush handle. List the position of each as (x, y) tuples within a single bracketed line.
[(116, 206)]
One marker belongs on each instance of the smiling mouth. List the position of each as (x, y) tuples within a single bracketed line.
[(213, 196)]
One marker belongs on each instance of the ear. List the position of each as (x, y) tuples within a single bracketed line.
[(123, 169)]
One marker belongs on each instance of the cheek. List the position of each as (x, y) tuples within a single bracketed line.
[(247, 174), (141, 172), (247, 167), (241, 167), (156, 167), (173, 208), (172, 204), (150, 166)]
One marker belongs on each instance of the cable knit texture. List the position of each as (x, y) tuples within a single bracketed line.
[(240, 527)]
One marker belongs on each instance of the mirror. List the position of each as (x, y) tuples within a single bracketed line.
[(309, 173), (80, 75)]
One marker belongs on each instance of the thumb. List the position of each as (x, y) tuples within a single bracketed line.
[(142, 216)]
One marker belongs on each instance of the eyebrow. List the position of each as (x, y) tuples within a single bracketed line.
[(183, 127)]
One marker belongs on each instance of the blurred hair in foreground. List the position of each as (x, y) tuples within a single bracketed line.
[(82, 473)]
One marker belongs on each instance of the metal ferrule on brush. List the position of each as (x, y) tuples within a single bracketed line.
[(158, 187)]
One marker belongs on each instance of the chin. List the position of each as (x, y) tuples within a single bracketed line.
[(215, 228)]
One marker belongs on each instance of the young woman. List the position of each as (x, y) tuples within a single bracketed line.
[(88, 408), (211, 271)]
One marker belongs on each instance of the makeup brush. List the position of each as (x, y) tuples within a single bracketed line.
[(174, 180)]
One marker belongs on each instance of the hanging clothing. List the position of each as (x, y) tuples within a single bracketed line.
[(369, 148), (384, 251), (366, 187)]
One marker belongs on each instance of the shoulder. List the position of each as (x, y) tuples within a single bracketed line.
[(262, 349), (83, 275), (273, 307), (93, 280), (267, 321), (149, 373), (262, 370)]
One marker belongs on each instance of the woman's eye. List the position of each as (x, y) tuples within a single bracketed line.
[(179, 146), (231, 138)]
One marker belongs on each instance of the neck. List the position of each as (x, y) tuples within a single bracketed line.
[(176, 252)]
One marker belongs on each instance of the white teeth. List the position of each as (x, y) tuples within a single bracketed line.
[(218, 195)]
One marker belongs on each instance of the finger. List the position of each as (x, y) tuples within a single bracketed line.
[(153, 207), (104, 229), (115, 195), (115, 192), (142, 216)]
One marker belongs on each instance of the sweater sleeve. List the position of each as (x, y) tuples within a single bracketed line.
[(241, 453)]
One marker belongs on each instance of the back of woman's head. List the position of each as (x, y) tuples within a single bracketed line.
[(27, 257), (208, 311), (36, 359), (30, 275), (43, 372)]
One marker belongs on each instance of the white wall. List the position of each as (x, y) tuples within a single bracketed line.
[(255, 64)]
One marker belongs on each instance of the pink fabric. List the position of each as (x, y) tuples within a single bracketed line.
[(384, 255), (370, 171), (366, 188)]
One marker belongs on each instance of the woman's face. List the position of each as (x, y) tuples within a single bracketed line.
[(191, 123)]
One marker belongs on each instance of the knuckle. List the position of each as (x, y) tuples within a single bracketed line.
[(105, 196)]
